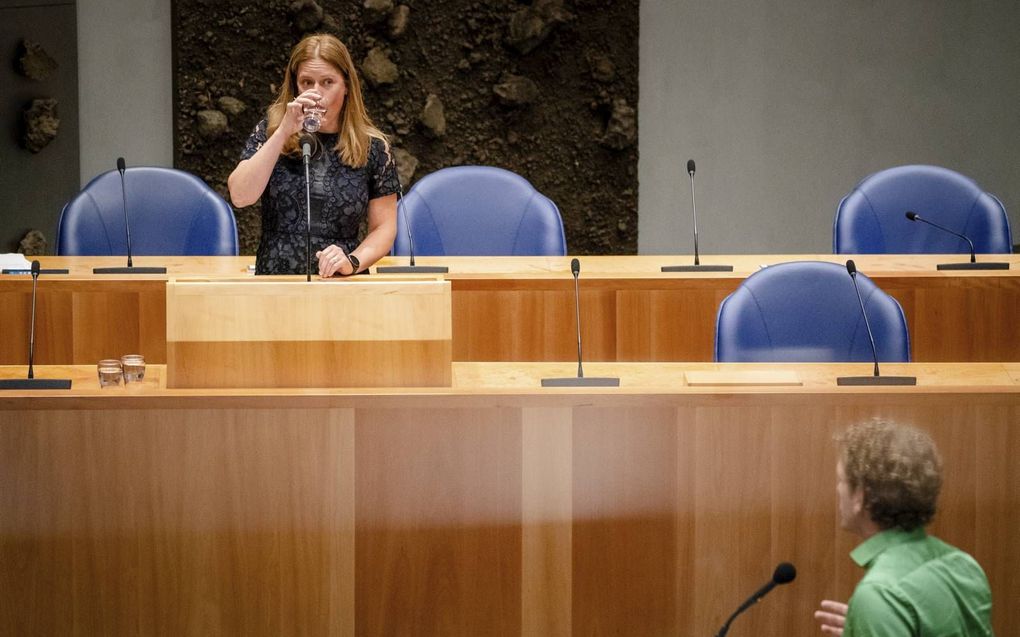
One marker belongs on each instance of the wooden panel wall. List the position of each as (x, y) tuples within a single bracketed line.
[(503, 318), (438, 522), (82, 322), (673, 319), (193, 522), (959, 320), (438, 515)]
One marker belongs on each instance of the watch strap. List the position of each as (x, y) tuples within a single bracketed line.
[(355, 262)]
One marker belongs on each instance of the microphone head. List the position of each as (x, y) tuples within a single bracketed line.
[(308, 143), (851, 267), (120, 164), (912, 216), (690, 166), (575, 267), (784, 573), (35, 267)]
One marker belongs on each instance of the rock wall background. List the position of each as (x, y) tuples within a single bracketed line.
[(545, 88), (39, 149)]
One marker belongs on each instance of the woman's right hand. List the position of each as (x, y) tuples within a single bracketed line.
[(249, 179), (291, 123)]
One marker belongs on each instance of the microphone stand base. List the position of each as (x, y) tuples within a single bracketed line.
[(697, 268), (585, 381), (876, 380), (35, 383), (42, 271), (412, 269), (980, 265), (131, 270)]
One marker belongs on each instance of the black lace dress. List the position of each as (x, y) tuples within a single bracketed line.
[(339, 194)]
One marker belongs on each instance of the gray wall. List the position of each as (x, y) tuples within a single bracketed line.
[(786, 105), (126, 84), (34, 186)]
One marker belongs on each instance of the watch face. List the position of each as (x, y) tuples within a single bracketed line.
[(354, 261)]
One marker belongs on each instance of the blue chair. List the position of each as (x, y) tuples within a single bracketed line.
[(807, 311), (171, 213), (479, 211), (871, 219)]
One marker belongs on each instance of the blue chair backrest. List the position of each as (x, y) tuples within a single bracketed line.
[(807, 311), (871, 219), (171, 212), (479, 211)]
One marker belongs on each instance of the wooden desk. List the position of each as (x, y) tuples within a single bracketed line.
[(522, 308), (492, 507)]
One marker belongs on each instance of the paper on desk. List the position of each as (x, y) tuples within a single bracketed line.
[(14, 261)]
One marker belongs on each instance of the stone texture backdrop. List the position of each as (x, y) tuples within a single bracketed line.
[(545, 88)]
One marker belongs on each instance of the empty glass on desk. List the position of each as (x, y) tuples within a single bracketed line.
[(110, 372), (134, 368)]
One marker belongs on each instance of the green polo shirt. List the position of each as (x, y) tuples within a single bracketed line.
[(917, 585)]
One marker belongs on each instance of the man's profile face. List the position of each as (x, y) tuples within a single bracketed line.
[(851, 501)]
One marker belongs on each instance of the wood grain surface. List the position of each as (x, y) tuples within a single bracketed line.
[(522, 309), (492, 507), (286, 334)]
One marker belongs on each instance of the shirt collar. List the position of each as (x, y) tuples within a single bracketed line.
[(869, 549)]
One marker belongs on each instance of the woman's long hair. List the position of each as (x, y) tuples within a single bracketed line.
[(355, 127)]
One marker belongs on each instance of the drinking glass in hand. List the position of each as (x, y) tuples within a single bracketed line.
[(312, 118)]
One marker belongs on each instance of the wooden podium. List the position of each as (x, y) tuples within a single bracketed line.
[(280, 333)]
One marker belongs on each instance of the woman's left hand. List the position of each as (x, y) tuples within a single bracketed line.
[(332, 260)]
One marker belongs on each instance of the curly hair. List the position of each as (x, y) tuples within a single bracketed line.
[(897, 467)]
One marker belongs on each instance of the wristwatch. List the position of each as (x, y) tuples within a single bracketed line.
[(354, 262)]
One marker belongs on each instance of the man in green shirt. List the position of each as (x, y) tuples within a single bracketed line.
[(888, 479)]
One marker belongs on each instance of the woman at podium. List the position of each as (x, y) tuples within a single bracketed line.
[(352, 173)]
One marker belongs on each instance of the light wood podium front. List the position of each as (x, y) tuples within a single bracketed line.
[(492, 507), (344, 333)]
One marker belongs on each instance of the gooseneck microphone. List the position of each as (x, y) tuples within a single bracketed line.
[(851, 269), (973, 265), (121, 167), (130, 269), (694, 209), (697, 267), (410, 268), (306, 154), (875, 378), (31, 332), (913, 216), (784, 574), (580, 380), (575, 271), (31, 382)]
